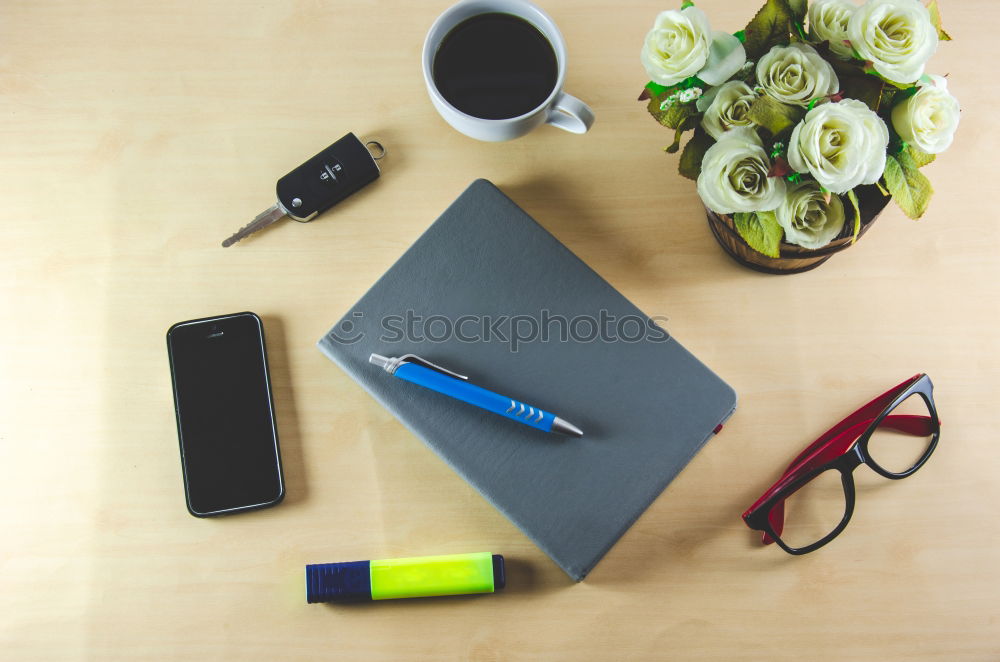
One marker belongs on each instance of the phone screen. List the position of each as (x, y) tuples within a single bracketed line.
[(225, 416)]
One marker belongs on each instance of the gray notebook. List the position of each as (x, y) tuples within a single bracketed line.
[(459, 297)]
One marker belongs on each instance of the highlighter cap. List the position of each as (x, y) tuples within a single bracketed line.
[(338, 582), (499, 574)]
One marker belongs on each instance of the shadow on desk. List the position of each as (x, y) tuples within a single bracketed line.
[(658, 246), (561, 210), (289, 437)]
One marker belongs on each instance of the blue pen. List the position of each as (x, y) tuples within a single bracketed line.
[(424, 373)]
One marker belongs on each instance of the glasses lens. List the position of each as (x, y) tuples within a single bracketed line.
[(814, 510), (903, 437)]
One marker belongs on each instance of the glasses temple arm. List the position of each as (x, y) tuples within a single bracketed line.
[(868, 412)]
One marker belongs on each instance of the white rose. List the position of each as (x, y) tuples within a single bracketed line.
[(734, 175), (727, 107), (828, 22), (796, 74), (928, 119), (896, 35), (807, 218), (841, 144), (682, 44)]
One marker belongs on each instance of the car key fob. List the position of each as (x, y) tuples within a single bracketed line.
[(327, 178), (318, 184)]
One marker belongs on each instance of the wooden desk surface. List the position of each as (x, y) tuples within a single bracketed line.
[(136, 135)]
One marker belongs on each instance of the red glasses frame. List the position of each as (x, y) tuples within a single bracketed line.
[(844, 447)]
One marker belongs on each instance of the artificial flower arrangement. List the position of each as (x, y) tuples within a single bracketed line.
[(797, 113)]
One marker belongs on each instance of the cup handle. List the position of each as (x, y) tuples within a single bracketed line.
[(570, 114)]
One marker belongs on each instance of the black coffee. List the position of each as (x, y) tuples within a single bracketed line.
[(495, 66)]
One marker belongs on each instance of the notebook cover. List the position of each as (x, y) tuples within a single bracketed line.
[(645, 406)]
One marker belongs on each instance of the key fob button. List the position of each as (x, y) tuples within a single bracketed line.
[(327, 178), (329, 174)]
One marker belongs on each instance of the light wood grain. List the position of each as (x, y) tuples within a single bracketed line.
[(136, 135)]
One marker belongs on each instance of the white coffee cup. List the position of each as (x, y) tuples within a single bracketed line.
[(559, 109)]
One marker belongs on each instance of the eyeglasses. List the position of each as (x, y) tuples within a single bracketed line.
[(812, 502)]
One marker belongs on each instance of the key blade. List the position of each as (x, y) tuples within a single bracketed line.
[(264, 219)]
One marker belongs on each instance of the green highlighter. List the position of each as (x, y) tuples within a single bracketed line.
[(417, 577)]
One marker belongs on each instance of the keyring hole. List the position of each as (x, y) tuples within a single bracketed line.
[(376, 149)]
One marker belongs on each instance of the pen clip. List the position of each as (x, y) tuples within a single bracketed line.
[(413, 358)]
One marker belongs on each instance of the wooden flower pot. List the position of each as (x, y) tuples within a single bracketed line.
[(795, 259)]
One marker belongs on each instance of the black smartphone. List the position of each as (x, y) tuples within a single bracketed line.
[(225, 415)]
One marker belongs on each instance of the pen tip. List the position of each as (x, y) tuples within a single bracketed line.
[(565, 427)]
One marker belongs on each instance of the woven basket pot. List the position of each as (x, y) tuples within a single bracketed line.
[(795, 259)]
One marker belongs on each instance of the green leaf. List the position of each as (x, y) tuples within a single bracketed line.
[(869, 69), (896, 144), (857, 214), (655, 89), (882, 188), (689, 123), (799, 32), (936, 20), (761, 231), (920, 158), (867, 89), (773, 115), (909, 187), (901, 95), (672, 117), (659, 92), (686, 4), (769, 27), (798, 8), (888, 100), (694, 152)]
